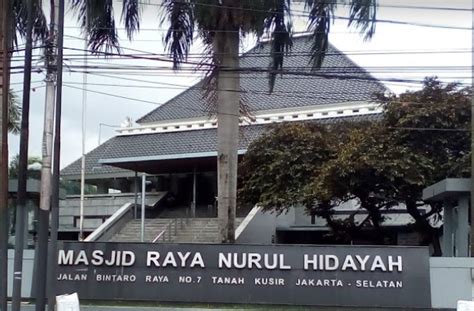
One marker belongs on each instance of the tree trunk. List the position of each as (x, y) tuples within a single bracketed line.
[(226, 48), (424, 228), (46, 176), (4, 82), (23, 165)]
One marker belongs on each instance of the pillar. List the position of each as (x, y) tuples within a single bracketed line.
[(462, 228), (448, 229)]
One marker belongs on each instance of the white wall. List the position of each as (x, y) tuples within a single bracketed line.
[(451, 280)]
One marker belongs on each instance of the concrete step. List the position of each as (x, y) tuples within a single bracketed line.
[(198, 230)]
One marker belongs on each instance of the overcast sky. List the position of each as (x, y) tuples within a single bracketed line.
[(404, 40)]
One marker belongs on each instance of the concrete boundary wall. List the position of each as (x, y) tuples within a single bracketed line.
[(451, 279), (28, 268)]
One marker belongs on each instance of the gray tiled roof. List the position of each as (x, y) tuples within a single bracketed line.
[(172, 143), (353, 84), (92, 163)]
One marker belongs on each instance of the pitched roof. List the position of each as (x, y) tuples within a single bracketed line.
[(92, 166), (171, 145), (339, 80)]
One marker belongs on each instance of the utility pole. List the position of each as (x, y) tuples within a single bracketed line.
[(84, 127), (46, 178), (5, 39), (472, 139), (23, 165), (52, 263)]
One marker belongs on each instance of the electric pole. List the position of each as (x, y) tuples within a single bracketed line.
[(5, 40), (472, 138), (46, 176), (23, 165), (52, 259)]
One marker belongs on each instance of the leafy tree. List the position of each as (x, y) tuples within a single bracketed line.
[(293, 153), (33, 172), (220, 25), (423, 137), (433, 123), (373, 170)]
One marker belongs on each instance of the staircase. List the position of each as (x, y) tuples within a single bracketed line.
[(198, 230), (132, 230), (194, 230)]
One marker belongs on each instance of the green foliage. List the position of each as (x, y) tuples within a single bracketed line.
[(32, 173), (20, 16), (423, 137), (434, 122), (276, 175), (269, 18), (14, 113), (73, 187)]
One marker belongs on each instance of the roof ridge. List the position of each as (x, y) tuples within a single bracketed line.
[(259, 45), (187, 103)]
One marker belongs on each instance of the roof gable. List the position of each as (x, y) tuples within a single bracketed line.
[(339, 80)]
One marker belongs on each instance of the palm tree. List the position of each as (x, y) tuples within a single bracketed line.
[(28, 27), (220, 24), (14, 113)]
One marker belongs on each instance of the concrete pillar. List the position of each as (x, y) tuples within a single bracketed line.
[(135, 186), (174, 183), (102, 186), (462, 228), (142, 231), (448, 229)]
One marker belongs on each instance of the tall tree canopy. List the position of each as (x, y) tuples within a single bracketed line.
[(421, 138)]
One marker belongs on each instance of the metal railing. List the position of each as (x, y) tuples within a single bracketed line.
[(171, 230)]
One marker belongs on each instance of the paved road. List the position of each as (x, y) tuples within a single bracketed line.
[(29, 307)]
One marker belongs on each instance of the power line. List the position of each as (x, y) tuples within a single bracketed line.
[(408, 83), (305, 14), (202, 110), (414, 7)]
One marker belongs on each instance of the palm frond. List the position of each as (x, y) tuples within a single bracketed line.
[(178, 39), (319, 24), (96, 18), (363, 14), (131, 16), (20, 16), (278, 26), (14, 113)]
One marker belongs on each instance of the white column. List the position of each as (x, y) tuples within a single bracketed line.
[(462, 228), (142, 235)]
